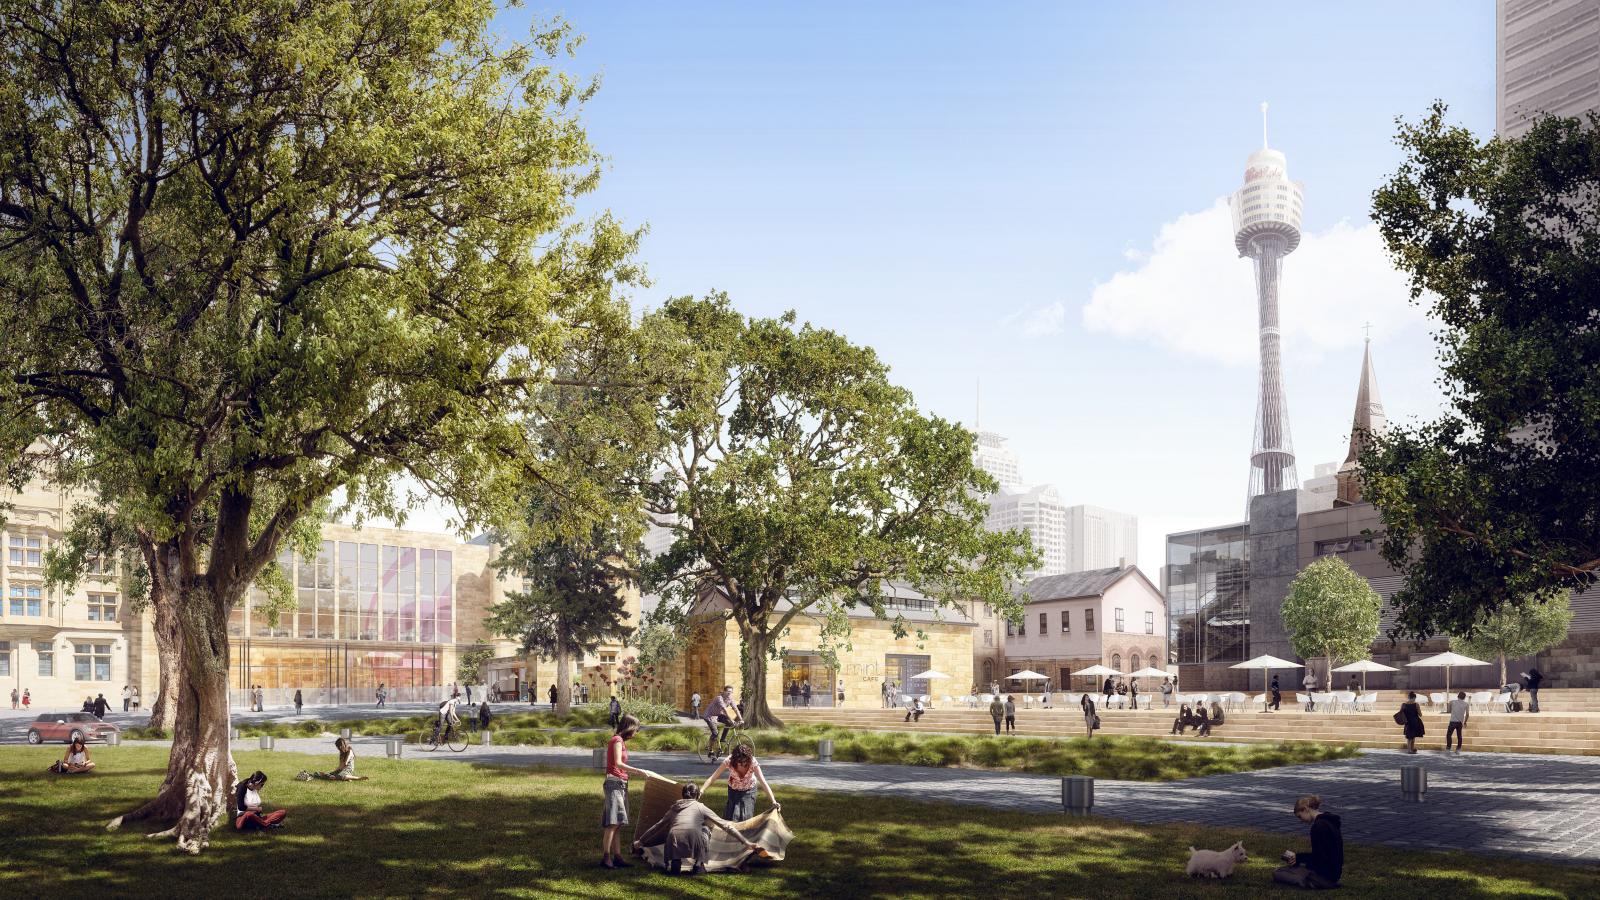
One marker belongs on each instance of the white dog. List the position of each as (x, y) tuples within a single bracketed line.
[(1216, 863)]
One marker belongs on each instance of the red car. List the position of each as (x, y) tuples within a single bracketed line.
[(66, 726)]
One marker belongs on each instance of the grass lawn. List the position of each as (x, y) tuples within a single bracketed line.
[(1124, 757), (420, 828)]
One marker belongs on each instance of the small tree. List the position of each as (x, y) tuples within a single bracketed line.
[(1537, 623), (1331, 612), (469, 668)]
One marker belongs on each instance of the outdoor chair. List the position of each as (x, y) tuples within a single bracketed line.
[(1345, 700), (986, 699), (1236, 700), (1302, 699), (1260, 700), (1071, 699), (1504, 700), (1369, 701), (1439, 699), (1323, 700), (1423, 700), (1480, 700)]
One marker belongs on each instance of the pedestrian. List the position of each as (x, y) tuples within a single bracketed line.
[(694, 704), (469, 694), (805, 693), (1310, 682), (127, 697), (883, 693), (614, 712), (614, 812), (1109, 688), (841, 691), (1410, 716), (997, 711), (14, 696), (1011, 715), (485, 715), (1319, 869), (791, 696), (455, 691), (1090, 720), (584, 692), (383, 693), (1166, 693), (297, 701), (26, 698), (553, 695), (100, 706), (1275, 702), (1532, 679), (1133, 693), (1458, 721), (136, 698)]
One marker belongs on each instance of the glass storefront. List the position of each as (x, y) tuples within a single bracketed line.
[(801, 668), (335, 672), (1208, 595), (360, 592)]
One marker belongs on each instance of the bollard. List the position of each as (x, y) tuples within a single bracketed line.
[(392, 747), (486, 740), (344, 733), (1413, 782), (113, 738), (266, 742), (825, 750), (598, 759), (233, 734), (1077, 795)]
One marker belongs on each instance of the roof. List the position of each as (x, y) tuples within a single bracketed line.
[(899, 599), (1073, 585)]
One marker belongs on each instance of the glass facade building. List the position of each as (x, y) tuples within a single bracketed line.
[(1207, 583)]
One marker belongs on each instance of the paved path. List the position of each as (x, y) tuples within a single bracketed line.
[(1540, 806)]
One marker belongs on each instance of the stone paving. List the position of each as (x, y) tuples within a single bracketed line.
[(1546, 807)]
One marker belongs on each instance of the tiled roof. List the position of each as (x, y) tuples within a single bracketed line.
[(1092, 583)]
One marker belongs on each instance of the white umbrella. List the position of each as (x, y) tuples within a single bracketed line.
[(1364, 666), (1150, 672), (931, 673), (1266, 663), (1027, 675), (1448, 660), (1097, 670)]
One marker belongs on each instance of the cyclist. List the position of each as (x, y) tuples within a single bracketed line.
[(723, 710), (447, 718)]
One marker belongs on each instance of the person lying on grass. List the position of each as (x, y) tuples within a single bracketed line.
[(76, 760), (744, 774), (247, 800), (347, 766), (683, 833)]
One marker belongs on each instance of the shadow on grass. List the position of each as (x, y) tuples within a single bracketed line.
[(491, 831)]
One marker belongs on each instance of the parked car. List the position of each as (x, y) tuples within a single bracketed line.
[(66, 726)]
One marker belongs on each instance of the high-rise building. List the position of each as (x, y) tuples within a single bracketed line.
[(1547, 61), (1098, 538), (1324, 481), (1266, 225), (993, 456), (1040, 512)]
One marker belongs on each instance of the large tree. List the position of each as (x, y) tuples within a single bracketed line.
[(1522, 629), (797, 478), (254, 252), (1499, 498), (1331, 612)]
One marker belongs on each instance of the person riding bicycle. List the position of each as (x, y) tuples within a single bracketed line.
[(447, 718), (723, 710)]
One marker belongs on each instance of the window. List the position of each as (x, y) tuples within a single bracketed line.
[(1116, 661), (47, 658), (1118, 613), (91, 662), (102, 564), (1133, 664), (1348, 545), (26, 550), (1011, 630), (1066, 621), (1088, 620), (102, 607), (1022, 627), (607, 659), (1149, 622), (26, 599), (5, 658), (988, 637), (1044, 624)]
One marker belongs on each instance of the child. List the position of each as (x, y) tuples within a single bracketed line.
[(76, 761), (744, 773), (248, 802), (684, 831), (614, 814)]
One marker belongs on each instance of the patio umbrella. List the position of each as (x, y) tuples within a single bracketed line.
[(1364, 666), (931, 673), (1266, 663), (1448, 660), (1026, 675), (1097, 671), (1150, 672)]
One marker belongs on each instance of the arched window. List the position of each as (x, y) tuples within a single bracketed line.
[(1116, 661), (1133, 665), (988, 672)]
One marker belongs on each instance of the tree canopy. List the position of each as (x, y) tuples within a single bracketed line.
[(1331, 612), (797, 477), (1521, 629), (1499, 498)]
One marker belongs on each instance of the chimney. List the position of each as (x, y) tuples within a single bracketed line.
[(1122, 562)]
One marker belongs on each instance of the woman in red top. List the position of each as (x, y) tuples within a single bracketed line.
[(614, 814), (744, 773)]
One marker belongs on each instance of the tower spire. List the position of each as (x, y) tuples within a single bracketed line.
[(1369, 420), (1263, 124)]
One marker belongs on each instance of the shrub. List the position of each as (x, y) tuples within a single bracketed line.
[(648, 713)]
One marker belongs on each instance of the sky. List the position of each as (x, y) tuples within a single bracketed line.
[(1029, 197)]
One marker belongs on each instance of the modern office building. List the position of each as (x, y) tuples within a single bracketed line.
[(1266, 225), (1206, 581), (1038, 511), (1547, 61), (993, 456), (1324, 480), (1099, 538)]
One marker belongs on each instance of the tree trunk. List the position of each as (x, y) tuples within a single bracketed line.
[(1502, 670), (563, 678), (164, 711), (198, 788), (757, 714)]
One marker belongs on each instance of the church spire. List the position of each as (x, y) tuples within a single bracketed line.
[(1369, 420)]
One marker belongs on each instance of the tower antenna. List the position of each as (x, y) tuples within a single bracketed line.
[(1263, 124), (977, 403)]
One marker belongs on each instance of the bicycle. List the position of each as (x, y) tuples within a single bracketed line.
[(713, 748), (454, 737)]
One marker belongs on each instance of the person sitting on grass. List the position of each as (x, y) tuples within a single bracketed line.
[(744, 774), (76, 761), (684, 831), (914, 710), (247, 802), (1320, 868), (1184, 720), (347, 766)]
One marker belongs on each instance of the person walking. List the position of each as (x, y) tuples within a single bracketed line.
[(1275, 700), (297, 701), (883, 693), (1166, 693), (1410, 718), (614, 812), (469, 694), (14, 696), (1310, 682), (805, 693), (1458, 721), (1321, 868), (485, 715), (613, 712), (694, 704), (1011, 715), (1109, 688), (136, 698), (26, 698), (127, 697), (1531, 679), (553, 696), (1133, 693), (383, 694), (100, 706), (997, 711), (1090, 720)]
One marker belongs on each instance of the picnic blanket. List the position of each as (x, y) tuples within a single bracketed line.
[(767, 830)]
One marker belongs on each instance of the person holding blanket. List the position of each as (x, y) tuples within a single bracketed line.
[(684, 833), (744, 774), (614, 814)]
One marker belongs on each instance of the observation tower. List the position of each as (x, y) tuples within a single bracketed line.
[(1266, 228)]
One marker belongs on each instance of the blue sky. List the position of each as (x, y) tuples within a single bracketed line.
[(952, 183)]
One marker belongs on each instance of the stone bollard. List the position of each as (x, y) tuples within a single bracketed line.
[(825, 750), (1077, 795), (344, 733), (1413, 782), (597, 759), (486, 738), (266, 742), (113, 738)]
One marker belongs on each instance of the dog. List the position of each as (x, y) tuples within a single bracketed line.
[(1216, 863)]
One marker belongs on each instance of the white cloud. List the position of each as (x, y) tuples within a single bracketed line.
[(1191, 292), (1037, 321)]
